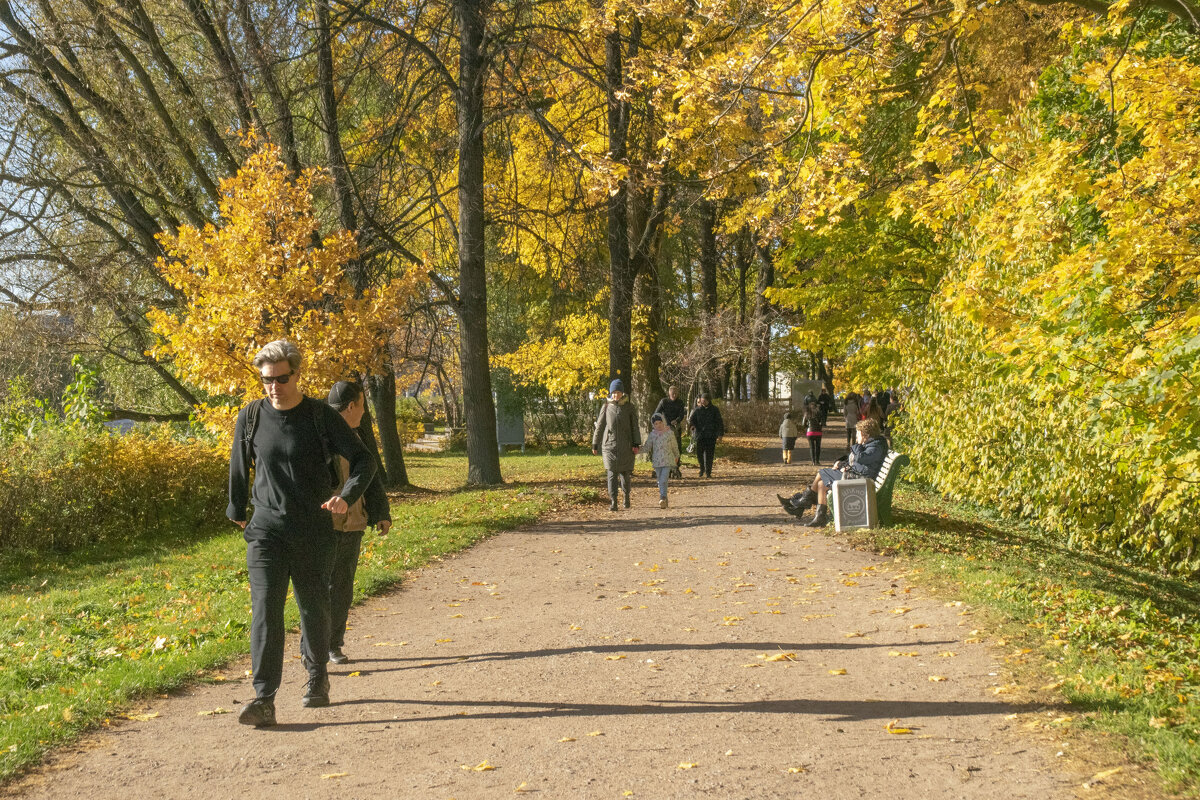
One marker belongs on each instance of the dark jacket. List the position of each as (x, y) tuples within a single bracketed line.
[(706, 423), (868, 458), (617, 434), (814, 419), (673, 411)]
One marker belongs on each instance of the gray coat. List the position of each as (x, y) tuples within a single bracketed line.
[(617, 434)]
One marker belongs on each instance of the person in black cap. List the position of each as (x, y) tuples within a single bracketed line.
[(706, 426), (674, 412), (290, 441), (617, 435), (370, 510)]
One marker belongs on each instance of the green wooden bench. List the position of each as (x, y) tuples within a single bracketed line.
[(884, 481)]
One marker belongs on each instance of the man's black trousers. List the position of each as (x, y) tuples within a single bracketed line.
[(705, 450), (273, 558)]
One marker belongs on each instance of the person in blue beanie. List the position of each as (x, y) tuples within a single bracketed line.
[(618, 438)]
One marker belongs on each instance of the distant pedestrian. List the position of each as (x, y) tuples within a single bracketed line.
[(618, 437), (674, 412), (873, 411), (814, 429), (787, 435), (706, 426), (289, 442), (370, 510), (850, 414), (826, 402), (663, 452)]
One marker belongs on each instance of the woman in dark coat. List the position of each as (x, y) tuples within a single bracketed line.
[(618, 438)]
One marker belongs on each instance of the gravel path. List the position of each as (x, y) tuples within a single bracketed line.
[(712, 649)]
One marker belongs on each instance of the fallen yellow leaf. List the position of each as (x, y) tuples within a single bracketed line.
[(614, 658), (1099, 776), (837, 672), (566, 739), (901, 610), (918, 626), (354, 675), (892, 727), (522, 787), (855, 635), (456, 616), (897, 654), (688, 765), (596, 733), (140, 717), (482, 766), (442, 641), (796, 770), (330, 775), (212, 713), (948, 654), (937, 678), (780, 657)]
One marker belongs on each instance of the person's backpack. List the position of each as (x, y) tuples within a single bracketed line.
[(254, 408)]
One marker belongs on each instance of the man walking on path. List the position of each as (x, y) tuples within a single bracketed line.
[(290, 440), (617, 435), (706, 426)]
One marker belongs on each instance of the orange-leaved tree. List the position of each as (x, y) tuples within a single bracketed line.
[(263, 275)]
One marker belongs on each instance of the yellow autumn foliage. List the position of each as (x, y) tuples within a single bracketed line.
[(261, 276)]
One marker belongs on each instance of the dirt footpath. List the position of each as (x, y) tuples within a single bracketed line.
[(713, 649)]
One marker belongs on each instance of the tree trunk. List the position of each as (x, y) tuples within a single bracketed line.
[(382, 389), (483, 454), (650, 295), (708, 256), (761, 348), (621, 279)]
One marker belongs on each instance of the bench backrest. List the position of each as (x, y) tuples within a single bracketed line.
[(891, 459)]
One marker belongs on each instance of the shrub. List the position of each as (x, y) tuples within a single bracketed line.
[(753, 416), (63, 487)]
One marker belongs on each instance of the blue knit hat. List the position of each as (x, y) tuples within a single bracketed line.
[(616, 386)]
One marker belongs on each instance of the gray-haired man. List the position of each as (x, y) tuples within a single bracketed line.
[(290, 441)]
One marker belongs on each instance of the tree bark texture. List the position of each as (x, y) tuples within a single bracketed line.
[(483, 455), (620, 267), (382, 389)]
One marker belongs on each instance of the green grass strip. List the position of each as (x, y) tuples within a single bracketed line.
[(1124, 641), (81, 637)]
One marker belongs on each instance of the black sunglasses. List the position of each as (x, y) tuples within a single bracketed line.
[(280, 379)]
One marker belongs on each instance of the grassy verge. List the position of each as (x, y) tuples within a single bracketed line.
[(1124, 641), (81, 637)]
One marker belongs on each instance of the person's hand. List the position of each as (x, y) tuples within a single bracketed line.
[(336, 504), (385, 525), (594, 452), (635, 451), (240, 523)]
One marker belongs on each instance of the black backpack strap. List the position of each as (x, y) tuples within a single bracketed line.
[(249, 427)]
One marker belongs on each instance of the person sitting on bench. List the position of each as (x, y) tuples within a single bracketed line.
[(865, 461)]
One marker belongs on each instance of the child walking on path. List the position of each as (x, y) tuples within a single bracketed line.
[(787, 434), (663, 453), (814, 421)]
